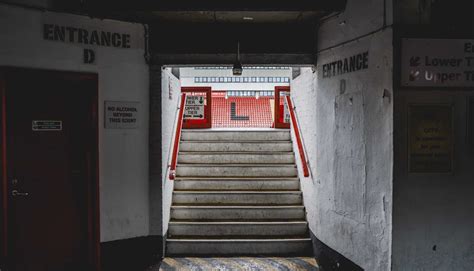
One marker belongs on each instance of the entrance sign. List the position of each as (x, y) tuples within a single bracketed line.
[(47, 125), (121, 115), (88, 34), (194, 108), (430, 138), (437, 62), (347, 65)]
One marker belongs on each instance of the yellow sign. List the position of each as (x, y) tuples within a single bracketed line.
[(430, 136)]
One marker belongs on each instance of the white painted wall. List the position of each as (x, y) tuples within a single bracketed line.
[(170, 97), (359, 18), (303, 95), (123, 76), (349, 194)]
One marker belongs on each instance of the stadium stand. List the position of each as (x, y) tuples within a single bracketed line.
[(241, 112)]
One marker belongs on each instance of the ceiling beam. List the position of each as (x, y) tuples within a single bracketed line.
[(229, 59), (216, 5), (223, 38)]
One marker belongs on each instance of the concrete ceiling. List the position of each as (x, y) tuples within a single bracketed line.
[(233, 16), (213, 11), (207, 31)]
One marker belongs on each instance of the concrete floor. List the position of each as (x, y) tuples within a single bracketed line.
[(236, 264)]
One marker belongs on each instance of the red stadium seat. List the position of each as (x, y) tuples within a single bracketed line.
[(250, 112)]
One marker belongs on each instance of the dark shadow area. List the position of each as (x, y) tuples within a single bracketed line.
[(329, 259), (133, 254)]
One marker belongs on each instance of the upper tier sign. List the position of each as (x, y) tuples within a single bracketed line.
[(194, 108), (437, 62)]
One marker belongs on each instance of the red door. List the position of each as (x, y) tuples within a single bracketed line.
[(198, 101), (282, 113), (50, 133)]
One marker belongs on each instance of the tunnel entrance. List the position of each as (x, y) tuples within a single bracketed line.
[(235, 187), (215, 98)]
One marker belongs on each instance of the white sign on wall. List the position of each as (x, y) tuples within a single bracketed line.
[(121, 115), (437, 62), (194, 108)]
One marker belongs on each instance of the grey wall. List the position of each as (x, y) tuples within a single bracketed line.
[(123, 76), (454, 16), (433, 218), (433, 213), (32, 3), (349, 195)]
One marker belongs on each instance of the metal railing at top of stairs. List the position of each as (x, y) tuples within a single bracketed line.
[(177, 138), (299, 142)]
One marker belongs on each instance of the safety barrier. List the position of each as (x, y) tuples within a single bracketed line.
[(177, 138), (298, 137)]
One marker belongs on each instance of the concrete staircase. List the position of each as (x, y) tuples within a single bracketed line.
[(237, 193)]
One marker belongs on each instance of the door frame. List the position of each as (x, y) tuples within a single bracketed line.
[(93, 200), (277, 113), (198, 124)]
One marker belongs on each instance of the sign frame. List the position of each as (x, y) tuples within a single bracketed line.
[(470, 124), (401, 70), (451, 118), (46, 125), (137, 114), (198, 107), (205, 123)]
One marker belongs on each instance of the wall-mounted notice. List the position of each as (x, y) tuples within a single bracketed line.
[(430, 138), (437, 62), (121, 115), (46, 125), (194, 108)]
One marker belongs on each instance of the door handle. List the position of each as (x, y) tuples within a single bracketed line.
[(16, 193)]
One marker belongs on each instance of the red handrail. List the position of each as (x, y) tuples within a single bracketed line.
[(177, 138), (298, 137)]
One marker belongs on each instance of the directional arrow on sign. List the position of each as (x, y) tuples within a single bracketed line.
[(415, 61)]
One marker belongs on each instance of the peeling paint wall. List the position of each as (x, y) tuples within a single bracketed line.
[(123, 76), (346, 122)]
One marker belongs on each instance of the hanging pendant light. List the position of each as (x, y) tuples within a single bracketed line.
[(237, 68)]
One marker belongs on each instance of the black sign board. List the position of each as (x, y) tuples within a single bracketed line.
[(47, 125)]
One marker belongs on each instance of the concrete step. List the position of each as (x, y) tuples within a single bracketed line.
[(241, 213), (223, 184), (240, 198), (234, 247), (233, 146), (236, 158), (236, 170), (238, 135), (226, 229)]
